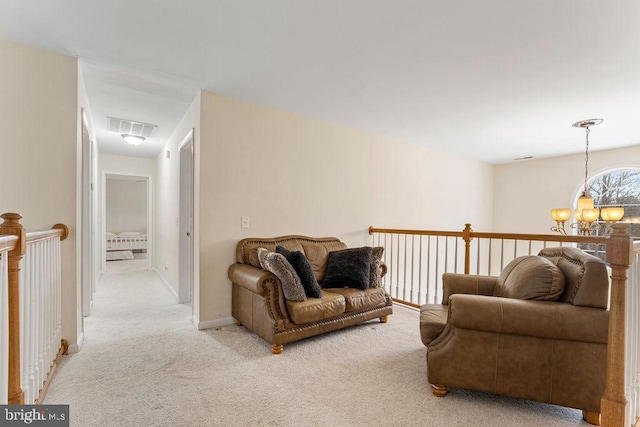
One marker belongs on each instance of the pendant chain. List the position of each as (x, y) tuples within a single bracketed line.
[(586, 161)]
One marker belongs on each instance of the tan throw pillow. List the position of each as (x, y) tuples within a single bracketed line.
[(531, 278), (280, 267)]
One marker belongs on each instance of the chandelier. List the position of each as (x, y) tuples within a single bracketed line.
[(585, 214)]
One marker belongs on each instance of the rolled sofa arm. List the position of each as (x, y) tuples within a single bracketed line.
[(262, 306), (541, 319), (453, 283), (250, 277)]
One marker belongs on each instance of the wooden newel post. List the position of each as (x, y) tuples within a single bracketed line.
[(11, 226), (619, 254), (466, 235)]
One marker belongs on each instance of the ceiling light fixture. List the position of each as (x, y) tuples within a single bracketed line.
[(585, 214), (133, 139)]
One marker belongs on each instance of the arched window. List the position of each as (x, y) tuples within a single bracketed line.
[(619, 187)]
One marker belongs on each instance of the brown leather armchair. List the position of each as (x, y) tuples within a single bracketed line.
[(536, 349)]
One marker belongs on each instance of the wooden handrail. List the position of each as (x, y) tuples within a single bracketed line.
[(57, 230), (490, 235), (8, 243), (416, 232)]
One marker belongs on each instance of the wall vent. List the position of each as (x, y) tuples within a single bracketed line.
[(124, 126)]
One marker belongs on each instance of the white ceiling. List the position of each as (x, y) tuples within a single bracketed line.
[(495, 80)]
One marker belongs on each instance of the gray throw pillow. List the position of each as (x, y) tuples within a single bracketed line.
[(301, 265), (348, 268), (375, 281), (530, 278), (280, 267)]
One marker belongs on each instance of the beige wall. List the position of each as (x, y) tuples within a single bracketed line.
[(126, 207), (38, 165), (295, 175), (526, 191)]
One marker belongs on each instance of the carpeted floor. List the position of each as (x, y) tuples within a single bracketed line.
[(144, 364)]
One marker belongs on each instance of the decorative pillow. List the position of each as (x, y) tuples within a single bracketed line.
[(375, 281), (301, 265), (348, 268), (278, 265), (530, 278)]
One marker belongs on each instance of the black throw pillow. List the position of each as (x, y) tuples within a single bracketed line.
[(348, 268), (301, 265)]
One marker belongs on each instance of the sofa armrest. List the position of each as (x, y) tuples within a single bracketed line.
[(453, 283), (270, 314), (251, 278), (541, 319)]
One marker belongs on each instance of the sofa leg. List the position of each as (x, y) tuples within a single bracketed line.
[(238, 323), (439, 390), (384, 319), (591, 417), (276, 348)]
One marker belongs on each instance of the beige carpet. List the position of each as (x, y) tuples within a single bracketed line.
[(144, 364)]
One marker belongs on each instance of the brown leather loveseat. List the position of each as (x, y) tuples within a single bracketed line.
[(537, 332), (259, 303)]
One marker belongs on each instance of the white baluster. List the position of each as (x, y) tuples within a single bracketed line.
[(42, 369)]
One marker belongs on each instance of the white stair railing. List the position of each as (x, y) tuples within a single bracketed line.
[(30, 278), (40, 309)]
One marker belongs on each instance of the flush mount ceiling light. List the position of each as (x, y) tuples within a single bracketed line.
[(133, 132), (133, 139)]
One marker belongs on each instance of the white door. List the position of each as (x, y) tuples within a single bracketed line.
[(185, 287), (86, 265)]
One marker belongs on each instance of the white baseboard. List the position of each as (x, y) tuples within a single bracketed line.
[(74, 348), (208, 324), (173, 292)]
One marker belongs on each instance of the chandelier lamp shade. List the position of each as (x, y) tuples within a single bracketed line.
[(585, 214)]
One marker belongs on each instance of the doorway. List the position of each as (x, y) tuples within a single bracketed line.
[(127, 241), (186, 250)]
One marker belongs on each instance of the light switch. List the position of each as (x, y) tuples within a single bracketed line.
[(244, 222)]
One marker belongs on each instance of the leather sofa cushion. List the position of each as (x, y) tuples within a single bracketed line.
[(317, 254), (316, 309), (530, 278), (433, 319), (360, 300)]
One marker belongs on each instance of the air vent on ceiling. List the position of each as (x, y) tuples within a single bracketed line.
[(130, 127)]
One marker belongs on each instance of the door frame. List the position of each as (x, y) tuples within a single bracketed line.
[(103, 238)]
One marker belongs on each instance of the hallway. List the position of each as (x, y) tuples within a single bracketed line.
[(135, 330)]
